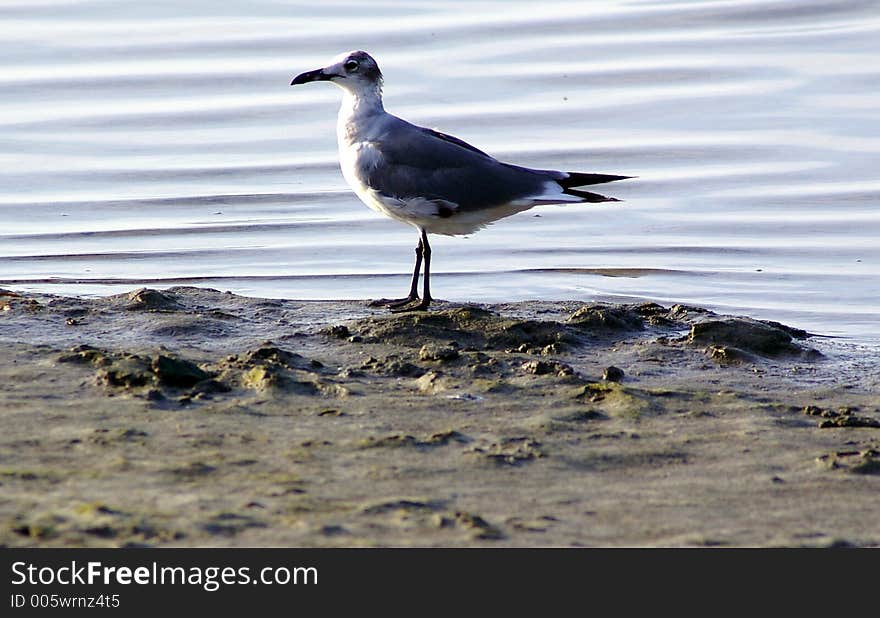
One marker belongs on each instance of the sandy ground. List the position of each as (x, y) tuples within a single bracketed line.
[(192, 417)]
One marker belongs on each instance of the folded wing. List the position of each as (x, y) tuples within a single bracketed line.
[(423, 163)]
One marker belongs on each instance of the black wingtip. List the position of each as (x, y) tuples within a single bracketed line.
[(589, 196), (580, 179)]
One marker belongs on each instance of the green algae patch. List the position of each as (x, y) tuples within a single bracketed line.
[(270, 369), (260, 378)]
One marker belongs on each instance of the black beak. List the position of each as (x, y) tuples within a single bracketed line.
[(318, 75)]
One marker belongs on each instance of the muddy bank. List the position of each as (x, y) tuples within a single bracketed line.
[(194, 417)]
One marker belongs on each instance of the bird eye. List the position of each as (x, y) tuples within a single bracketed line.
[(351, 66)]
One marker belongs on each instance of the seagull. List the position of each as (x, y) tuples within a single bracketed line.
[(432, 181)]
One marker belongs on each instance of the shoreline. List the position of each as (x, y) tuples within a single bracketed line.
[(192, 417), (856, 330)]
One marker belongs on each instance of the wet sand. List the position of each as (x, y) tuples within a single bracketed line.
[(193, 417)]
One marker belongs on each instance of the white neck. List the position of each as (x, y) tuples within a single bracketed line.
[(358, 106), (363, 101)]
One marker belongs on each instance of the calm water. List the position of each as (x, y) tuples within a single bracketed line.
[(158, 143)]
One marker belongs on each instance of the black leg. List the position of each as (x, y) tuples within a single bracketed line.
[(426, 254), (413, 288), (414, 284), (426, 299)]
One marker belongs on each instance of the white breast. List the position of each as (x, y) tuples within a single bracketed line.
[(354, 159)]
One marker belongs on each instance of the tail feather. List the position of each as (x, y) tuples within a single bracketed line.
[(579, 179)]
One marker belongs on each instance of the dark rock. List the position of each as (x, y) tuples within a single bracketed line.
[(338, 331), (797, 333), (654, 314), (844, 417), (467, 327), (269, 353), (146, 299), (511, 451), (382, 508), (868, 463), (333, 530), (682, 312), (230, 524), (729, 355), (744, 335), (480, 528), (612, 374), (131, 435), (210, 386), (393, 441), (443, 438), (606, 318), (104, 532), (530, 336), (127, 372), (177, 372), (331, 412), (849, 420), (193, 470), (84, 354), (544, 367), (393, 366), (434, 352), (857, 462)]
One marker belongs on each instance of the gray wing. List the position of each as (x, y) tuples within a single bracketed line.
[(419, 162)]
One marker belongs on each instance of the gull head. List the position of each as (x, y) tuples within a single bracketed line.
[(354, 71)]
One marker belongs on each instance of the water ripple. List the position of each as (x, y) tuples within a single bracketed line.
[(159, 143)]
